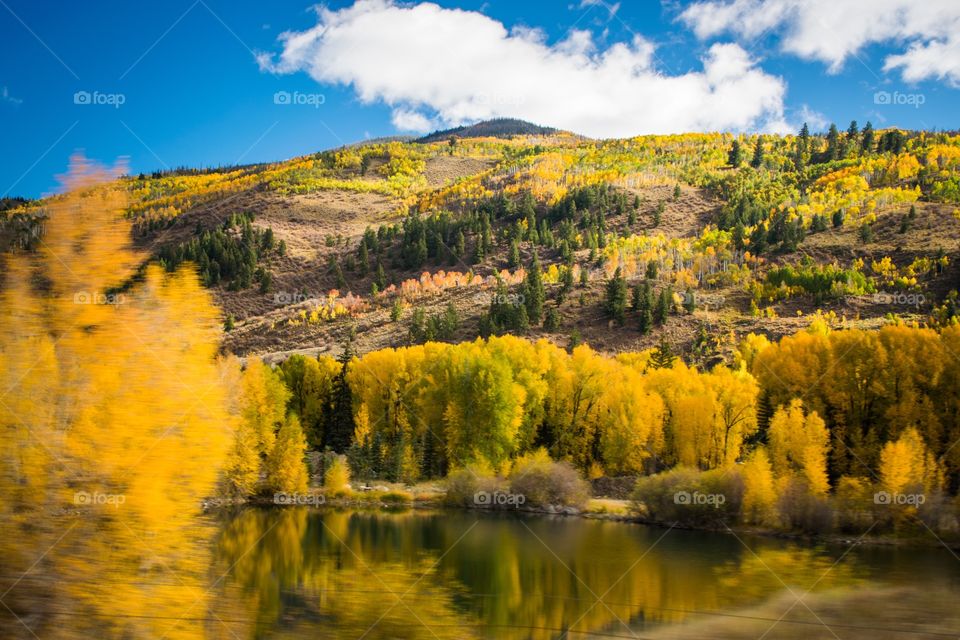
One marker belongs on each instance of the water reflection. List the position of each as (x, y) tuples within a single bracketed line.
[(416, 574)]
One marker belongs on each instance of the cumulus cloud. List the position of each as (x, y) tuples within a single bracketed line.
[(437, 66), (925, 32)]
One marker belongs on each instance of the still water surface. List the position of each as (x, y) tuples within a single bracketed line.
[(301, 573)]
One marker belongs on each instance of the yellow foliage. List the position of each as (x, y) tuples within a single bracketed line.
[(906, 464), (800, 442), (115, 420), (337, 476), (759, 492)]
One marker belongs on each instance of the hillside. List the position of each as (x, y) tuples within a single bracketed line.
[(496, 128), (396, 242)]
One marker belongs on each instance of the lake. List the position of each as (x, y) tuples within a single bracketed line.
[(306, 573)]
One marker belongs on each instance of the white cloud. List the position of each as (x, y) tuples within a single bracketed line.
[(926, 31), (407, 120), (448, 66), (814, 119)]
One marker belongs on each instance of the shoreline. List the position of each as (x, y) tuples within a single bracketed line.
[(436, 503)]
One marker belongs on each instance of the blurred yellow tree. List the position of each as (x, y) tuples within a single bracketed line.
[(115, 425)]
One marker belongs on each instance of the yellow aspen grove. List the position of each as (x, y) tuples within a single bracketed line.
[(632, 430), (264, 402), (799, 443), (736, 412), (286, 468), (115, 419)]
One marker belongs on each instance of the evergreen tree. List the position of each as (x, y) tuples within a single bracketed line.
[(522, 323), (690, 301), (551, 322), (381, 278), (853, 135), (658, 214), (534, 292), (833, 143), (513, 260), (866, 139), (364, 259), (735, 155), (644, 307), (616, 302), (803, 148), (664, 302), (662, 357), (339, 434), (645, 320), (651, 271), (478, 252), (757, 160)]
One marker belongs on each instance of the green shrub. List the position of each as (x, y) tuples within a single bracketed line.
[(544, 482), (464, 484), (396, 497), (687, 496)]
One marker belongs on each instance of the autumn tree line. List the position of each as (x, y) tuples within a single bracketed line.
[(820, 412)]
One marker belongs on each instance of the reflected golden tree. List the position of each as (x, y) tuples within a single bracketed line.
[(336, 573), (308, 573)]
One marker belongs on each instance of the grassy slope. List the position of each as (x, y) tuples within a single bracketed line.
[(308, 223)]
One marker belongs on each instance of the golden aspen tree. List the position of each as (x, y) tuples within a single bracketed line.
[(749, 348), (691, 411), (631, 429), (907, 465), (799, 444), (286, 467), (576, 384), (759, 491), (264, 403), (337, 476), (795, 366), (736, 412)]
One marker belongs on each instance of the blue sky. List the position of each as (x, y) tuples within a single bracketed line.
[(196, 82)]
